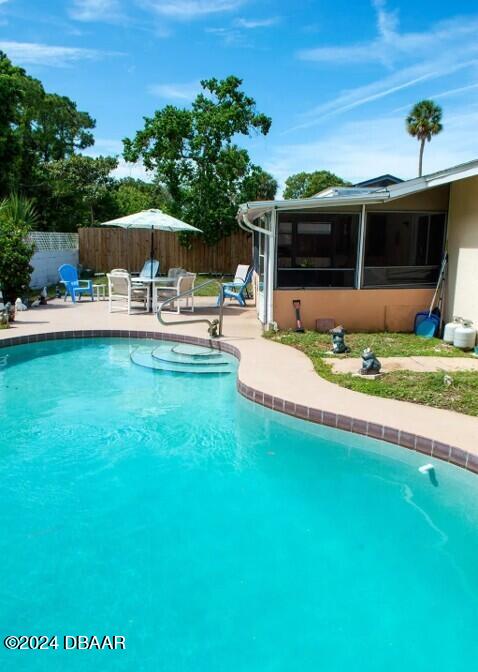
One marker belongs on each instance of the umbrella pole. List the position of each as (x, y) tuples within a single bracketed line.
[(151, 252), (127, 251)]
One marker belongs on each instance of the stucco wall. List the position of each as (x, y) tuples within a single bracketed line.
[(365, 310), (462, 292), (432, 199)]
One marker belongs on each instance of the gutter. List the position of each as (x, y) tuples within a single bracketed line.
[(248, 226)]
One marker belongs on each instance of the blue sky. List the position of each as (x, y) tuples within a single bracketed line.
[(337, 77)]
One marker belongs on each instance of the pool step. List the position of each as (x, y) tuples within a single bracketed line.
[(163, 358), (196, 351), (171, 357)]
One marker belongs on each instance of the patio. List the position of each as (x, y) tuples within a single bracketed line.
[(276, 376)]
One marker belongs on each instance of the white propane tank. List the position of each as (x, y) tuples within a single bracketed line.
[(465, 336), (450, 328)]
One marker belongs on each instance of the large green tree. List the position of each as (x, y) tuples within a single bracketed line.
[(36, 127), (423, 122), (194, 154), (305, 185), (12, 95), (258, 185), (131, 195), (81, 191)]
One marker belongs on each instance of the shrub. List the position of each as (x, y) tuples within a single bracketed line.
[(17, 218)]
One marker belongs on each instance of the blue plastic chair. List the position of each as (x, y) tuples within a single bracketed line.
[(237, 289), (73, 286)]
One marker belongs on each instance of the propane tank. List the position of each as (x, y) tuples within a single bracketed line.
[(450, 328), (465, 336)]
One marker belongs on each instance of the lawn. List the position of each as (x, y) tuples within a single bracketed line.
[(429, 389)]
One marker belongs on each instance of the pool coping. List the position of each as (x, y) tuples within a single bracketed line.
[(420, 444)]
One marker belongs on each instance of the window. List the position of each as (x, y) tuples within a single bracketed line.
[(403, 248), (317, 250)]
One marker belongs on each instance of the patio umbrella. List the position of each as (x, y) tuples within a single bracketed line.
[(154, 220)]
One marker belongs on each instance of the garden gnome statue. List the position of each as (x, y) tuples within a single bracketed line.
[(370, 364), (338, 340)]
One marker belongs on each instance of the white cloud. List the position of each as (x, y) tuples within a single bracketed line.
[(111, 147), (402, 79), (251, 24), (32, 53), (391, 45), (191, 9), (181, 91), (135, 170), (95, 10), (105, 146), (231, 37), (438, 96), (362, 149), (409, 58)]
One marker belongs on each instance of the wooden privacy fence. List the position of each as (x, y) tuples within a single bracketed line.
[(105, 248)]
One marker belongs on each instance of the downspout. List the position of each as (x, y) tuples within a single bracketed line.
[(271, 251), (361, 248), (249, 226)]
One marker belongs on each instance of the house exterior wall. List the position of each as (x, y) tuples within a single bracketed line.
[(430, 200), (462, 292), (366, 309), (357, 310)]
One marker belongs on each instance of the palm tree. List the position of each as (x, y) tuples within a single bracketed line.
[(423, 122), (18, 212)]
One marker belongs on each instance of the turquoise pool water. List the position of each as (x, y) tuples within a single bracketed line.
[(216, 535)]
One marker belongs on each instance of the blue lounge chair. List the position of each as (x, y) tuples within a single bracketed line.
[(73, 286), (237, 289), (149, 270)]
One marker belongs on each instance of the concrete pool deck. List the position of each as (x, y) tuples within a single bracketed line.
[(272, 374)]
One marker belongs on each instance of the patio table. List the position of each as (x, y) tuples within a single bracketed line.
[(154, 283)]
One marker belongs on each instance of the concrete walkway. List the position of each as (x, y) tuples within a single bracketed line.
[(418, 364), (276, 370)]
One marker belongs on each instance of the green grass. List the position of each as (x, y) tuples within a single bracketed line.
[(428, 389)]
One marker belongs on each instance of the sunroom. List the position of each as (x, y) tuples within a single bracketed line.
[(368, 258)]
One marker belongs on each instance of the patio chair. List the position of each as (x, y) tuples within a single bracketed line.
[(176, 272), (237, 289), (73, 286), (149, 265), (184, 283), (122, 289)]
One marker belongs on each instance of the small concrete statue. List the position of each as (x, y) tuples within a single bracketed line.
[(339, 346), (370, 364), (7, 315)]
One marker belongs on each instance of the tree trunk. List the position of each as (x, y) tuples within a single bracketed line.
[(420, 159)]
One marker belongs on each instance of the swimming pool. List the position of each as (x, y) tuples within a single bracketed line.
[(215, 534)]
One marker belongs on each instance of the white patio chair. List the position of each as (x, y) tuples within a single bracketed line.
[(122, 290), (184, 283)]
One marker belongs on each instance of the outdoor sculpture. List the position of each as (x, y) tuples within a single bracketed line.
[(213, 329), (370, 364), (339, 346), (7, 314)]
